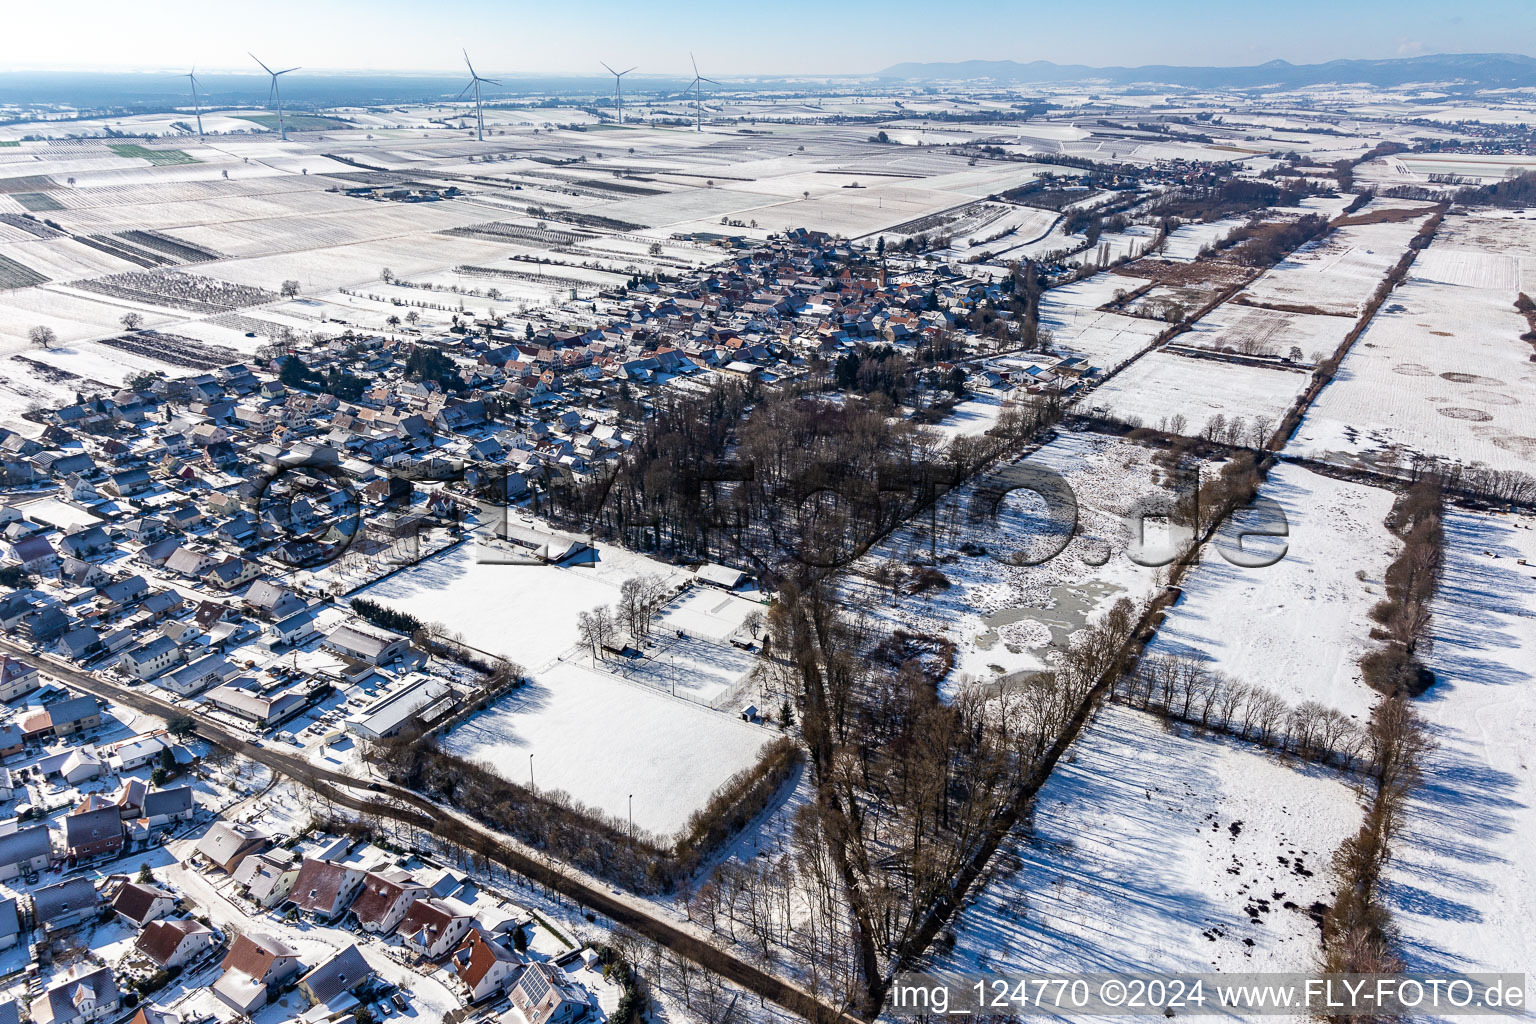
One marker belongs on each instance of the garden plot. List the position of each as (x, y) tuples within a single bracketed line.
[(1155, 851), (1254, 331), (1338, 272), (1162, 385), (600, 739), (1460, 884), (1297, 627), (1440, 371), (1004, 618)]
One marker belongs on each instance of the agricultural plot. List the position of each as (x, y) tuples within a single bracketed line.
[(1164, 389), (1441, 370), (1296, 627), (14, 275), (1304, 338), (1150, 850), (1185, 244), (1337, 273), (1077, 325), (1458, 884), (157, 157), (1004, 618), (600, 739), (37, 202)]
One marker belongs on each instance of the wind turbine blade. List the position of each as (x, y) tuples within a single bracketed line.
[(468, 64), (258, 61), (695, 66), (285, 72), (622, 73), (605, 64), (468, 87), (489, 81), (711, 81)]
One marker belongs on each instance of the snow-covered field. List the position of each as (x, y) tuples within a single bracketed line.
[(1297, 627), (1250, 330), (600, 739), (1337, 273), (1072, 316), (1162, 385), (523, 612), (1441, 370), (1154, 851), (1460, 884)]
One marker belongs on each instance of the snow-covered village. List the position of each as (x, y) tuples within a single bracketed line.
[(514, 540)]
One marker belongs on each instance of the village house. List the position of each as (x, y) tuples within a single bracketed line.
[(138, 903), (268, 877), (65, 904), (227, 843), (82, 995), (16, 678), (324, 890), (341, 976), (543, 995), (385, 897), (253, 967), (174, 943), (25, 851), (483, 966), (432, 928)]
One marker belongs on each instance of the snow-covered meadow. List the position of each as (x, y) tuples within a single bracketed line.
[(1162, 385), (1152, 850), (1460, 884), (1441, 370), (1297, 627), (601, 738)]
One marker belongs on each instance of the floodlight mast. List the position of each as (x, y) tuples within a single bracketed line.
[(276, 93), (474, 83), (196, 106), (618, 89)]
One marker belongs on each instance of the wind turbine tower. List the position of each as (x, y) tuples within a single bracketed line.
[(474, 83), (698, 95), (618, 89), (196, 106), (277, 94)]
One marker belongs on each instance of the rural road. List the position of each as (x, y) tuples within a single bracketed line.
[(634, 914)]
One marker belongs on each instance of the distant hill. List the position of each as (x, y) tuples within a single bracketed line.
[(1485, 69)]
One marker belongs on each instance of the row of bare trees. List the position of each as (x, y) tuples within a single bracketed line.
[(1404, 615), (1358, 932), (1185, 689)]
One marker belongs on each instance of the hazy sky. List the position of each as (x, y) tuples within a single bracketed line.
[(790, 36)]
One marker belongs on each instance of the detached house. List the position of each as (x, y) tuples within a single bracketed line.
[(17, 678), (174, 943), (434, 927), (84, 995), (254, 965), (483, 966)]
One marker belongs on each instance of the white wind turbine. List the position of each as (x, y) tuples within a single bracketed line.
[(474, 83), (698, 95), (282, 126), (618, 88), (197, 107)]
